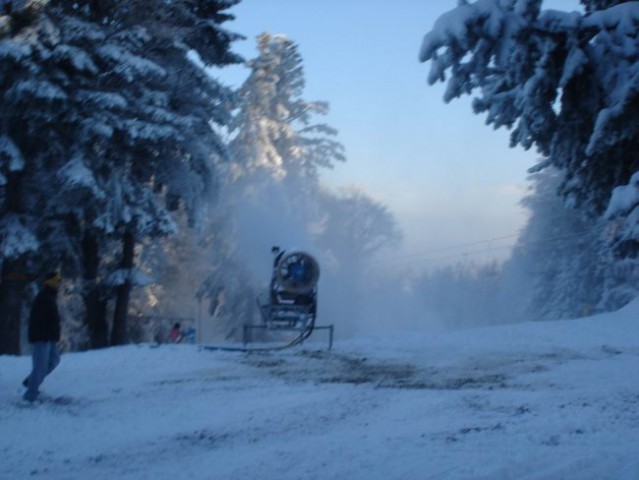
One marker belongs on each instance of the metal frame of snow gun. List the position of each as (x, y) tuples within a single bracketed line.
[(288, 313), (284, 317), (281, 314), (248, 327)]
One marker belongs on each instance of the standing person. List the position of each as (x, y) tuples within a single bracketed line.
[(175, 335), (44, 335)]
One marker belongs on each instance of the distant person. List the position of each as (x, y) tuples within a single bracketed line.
[(44, 335), (175, 335)]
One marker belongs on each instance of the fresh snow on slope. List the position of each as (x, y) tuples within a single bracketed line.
[(546, 400)]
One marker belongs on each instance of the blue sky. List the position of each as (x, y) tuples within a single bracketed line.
[(447, 177)]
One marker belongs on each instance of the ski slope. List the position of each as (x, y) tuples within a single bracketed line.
[(547, 400)]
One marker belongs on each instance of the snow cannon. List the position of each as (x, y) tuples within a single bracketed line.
[(291, 302), (296, 273)]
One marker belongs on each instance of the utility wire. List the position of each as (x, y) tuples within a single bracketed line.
[(411, 257), (455, 247)]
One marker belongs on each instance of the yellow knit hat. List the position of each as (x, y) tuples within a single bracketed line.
[(53, 279)]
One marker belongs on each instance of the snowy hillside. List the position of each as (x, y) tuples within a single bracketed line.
[(554, 400)]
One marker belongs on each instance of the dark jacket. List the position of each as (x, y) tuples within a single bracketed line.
[(44, 320)]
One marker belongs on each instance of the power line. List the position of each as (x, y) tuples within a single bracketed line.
[(414, 257), (453, 247)]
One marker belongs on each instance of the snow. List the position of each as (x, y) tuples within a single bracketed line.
[(543, 400), (194, 57), (17, 237), (35, 89), (124, 275), (455, 25), (80, 60), (624, 197), (102, 100), (625, 201), (559, 21), (74, 30), (14, 51), (128, 65), (622, 17), (139, 129), (76, 173), (10, 151)]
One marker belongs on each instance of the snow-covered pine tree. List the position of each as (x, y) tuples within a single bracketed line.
[(277, 149), (621, 277), (107, 120), (180, 32), (275, 129), (564, 82), (25, 169), (594, 5), (561, 253)]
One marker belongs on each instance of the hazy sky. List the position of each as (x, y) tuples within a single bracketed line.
[(448, 178)]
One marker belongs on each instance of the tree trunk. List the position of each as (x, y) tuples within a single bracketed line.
[(13, 280), (12, 298), (95, 307), (119, 331)]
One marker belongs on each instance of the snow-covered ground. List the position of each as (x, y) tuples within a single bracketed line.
[(551, 400)]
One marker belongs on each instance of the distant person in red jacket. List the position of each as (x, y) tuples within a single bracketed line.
[(175, 335), (44, 335)]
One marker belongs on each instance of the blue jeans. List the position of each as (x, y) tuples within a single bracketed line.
[(45, 358)]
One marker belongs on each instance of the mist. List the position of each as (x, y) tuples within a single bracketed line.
[(385, 290), (361, 295)]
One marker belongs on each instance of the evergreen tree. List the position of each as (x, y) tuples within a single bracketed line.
[(561, 252), (277, 151), (107, 121), (275, 129), (25, 170), (564, 82), (621, 277)]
